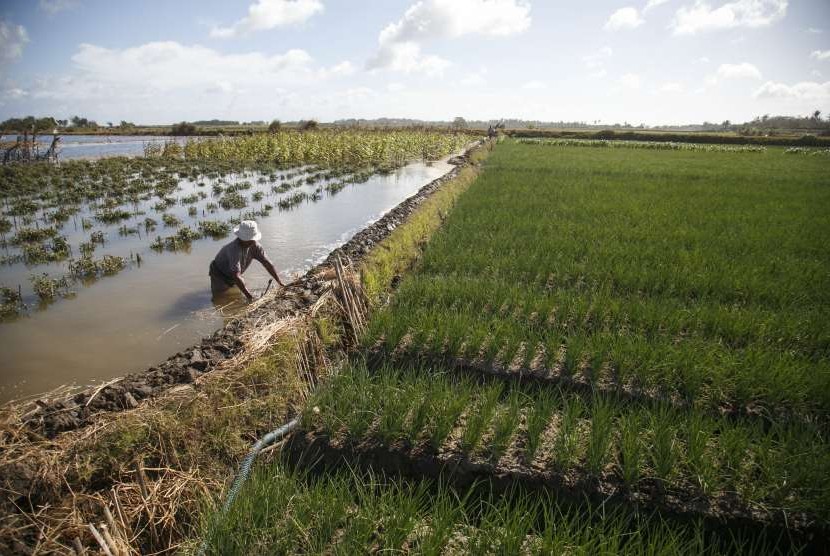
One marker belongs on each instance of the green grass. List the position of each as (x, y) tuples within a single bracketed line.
[(282, 511)]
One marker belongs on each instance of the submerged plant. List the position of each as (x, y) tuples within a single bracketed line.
[(48, 288), (214, 228)]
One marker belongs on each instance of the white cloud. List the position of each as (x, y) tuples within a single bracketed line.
[(534, 85), (817, 74), (703, 60), (52, 7), (820, 54), (743, 70), (630, 81), (805, 90), (264, 15), (653, 4), (701, 16), (597, 60), (815, 30), (406, 57), (474, 79), (624, 18), (12, 40), (395, 87), (400, 42), (196, 82), (598, 74), (671, 87)]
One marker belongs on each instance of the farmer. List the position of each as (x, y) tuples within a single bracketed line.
[(235, 257)]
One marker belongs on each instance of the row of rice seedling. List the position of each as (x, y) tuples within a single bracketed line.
[(699, 280), (353, 149), (703, 371), (652, 145), (286, 511), (631, 446), (807, 151)]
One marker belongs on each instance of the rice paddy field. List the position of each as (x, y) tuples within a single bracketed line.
[(110, 255), (601, 351)]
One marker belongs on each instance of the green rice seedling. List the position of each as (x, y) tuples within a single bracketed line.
[(125, 231), (5, 225), (599, 439), (504, 424), (150, 224), (86, 224), (211, 207), (233, 200), (447, 406), (48, 288), (257, 196), (566, 443), (97, 237), (292, 200), (214, 229), (504, 528), (111, 264), (85, 267), (664, 450), (189, 199), (11, 302), (732, 446), (395, 403), (537, 419), (170, 220), (418, 418), (157, 244), (698, 436), (164, 203), (630, 426), (192, 212), (33, 235), (480, 416), (111, 216)]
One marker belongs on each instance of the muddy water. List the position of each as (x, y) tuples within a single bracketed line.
[(130, 321)]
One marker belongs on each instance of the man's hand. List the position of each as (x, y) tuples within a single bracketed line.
[(240, 283)]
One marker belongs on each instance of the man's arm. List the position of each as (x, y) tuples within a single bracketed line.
[(272, 271), (240, 283)]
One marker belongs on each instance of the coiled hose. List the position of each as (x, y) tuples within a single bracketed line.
[(247, 463)]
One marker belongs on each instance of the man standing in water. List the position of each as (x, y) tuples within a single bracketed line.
[(235, 257)]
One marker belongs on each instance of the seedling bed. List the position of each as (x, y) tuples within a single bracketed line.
[(728, 515)]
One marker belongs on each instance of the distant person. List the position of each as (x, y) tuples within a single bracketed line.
[(235, 257)]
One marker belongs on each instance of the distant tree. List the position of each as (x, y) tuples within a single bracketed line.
[(274, 126), (183, 128), (307, 125), (817, 115), (62, 123), (109, 124), (726, 124), (459, 123), (126, 125)]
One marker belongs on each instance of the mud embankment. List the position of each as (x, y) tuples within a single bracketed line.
[(53, 416)]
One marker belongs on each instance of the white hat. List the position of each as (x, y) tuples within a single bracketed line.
[(247, 231)]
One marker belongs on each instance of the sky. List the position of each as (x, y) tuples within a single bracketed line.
[(638, 61)]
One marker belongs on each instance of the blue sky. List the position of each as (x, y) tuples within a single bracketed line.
[(640, 61)]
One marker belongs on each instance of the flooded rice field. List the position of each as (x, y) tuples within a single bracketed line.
[(110, 286), (73, 147)]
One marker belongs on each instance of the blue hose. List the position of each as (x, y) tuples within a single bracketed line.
[(247, 463)]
